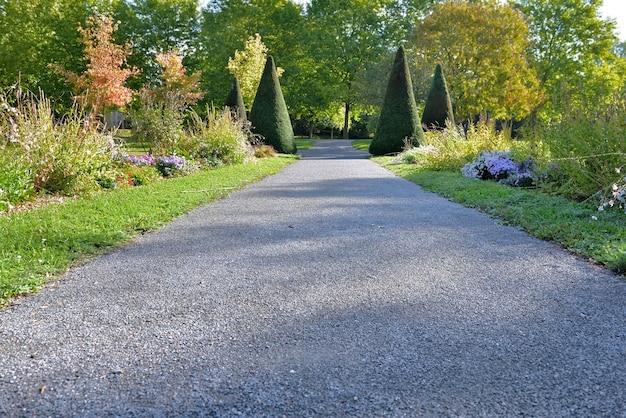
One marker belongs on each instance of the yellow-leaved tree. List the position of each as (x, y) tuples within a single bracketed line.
[(482, 47), (247, 66)]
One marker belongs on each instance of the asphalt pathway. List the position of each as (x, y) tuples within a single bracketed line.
[(331, 289)]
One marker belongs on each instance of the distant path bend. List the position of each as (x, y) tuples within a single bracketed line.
[(331, 289)]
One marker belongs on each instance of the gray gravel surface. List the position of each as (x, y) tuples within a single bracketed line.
[(331, 289)]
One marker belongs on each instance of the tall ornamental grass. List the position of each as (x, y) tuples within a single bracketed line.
[(219, 139), (585, 152), (64, 155), (455, 146)]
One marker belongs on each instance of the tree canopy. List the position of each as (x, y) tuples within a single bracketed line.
[(572, 49), (482, 48), (506, 60)]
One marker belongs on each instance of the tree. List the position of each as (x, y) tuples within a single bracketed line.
[(348, 36), (482, 48), (227, 24), (570, 43), (234, 100), (177, 88), (438, 108), (247, 66), (269, 115), (159, 25), (37, 33), (101, 86), (399, 120)]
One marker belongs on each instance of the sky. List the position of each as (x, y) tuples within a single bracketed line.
[(617, 10)]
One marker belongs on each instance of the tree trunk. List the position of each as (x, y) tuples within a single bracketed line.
[(346, 122)]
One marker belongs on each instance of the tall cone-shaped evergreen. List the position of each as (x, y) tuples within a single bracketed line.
[(234, 100), (438, 106), (269, 114), (399, 118)]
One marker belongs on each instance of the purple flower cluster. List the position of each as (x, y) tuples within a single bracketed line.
[(501, 168), (169, 165), (141, 160), (498, 165)]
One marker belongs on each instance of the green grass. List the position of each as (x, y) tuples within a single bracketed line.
[(579, 227), (304, 143), (362, 144), (39, 244)]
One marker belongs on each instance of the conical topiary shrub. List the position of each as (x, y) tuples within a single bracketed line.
[(438, 107), (398, 117), (234, 100), (269, 114)]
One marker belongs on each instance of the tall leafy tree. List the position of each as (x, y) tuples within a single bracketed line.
[(227, 24), (399, 119), (348, 36), (571, 47), (37, 33), (247, 66), (482, 47), (155, 26)]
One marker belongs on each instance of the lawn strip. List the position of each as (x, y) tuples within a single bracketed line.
[(39, 244)]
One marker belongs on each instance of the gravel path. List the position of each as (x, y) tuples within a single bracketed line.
[(330, 289)]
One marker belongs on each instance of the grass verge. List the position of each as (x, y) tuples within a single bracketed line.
[(39, 244), (362, 144), (304, 143), (579, 227)]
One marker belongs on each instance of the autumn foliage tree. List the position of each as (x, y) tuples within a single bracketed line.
[(159, 118), (482, 47), (178, 89), (102, 85)]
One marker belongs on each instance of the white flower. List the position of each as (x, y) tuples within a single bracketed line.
[(595, 218)]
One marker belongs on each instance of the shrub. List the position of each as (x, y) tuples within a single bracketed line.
[(399, 119), (234, 100), (438, 108), (269, 115), (64, 156), (220, 139), (498, 165), (171, 166), (159, 127), (264, 151), (582, 150), (453, 147)]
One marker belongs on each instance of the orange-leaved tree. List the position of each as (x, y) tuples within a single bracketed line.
[(101, 86), (178, 89)]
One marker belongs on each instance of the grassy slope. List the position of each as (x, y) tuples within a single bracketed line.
[(41, 243)]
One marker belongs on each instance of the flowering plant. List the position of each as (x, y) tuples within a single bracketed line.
[(141, 160), (168, 166), (498, 165), (617, 196)]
